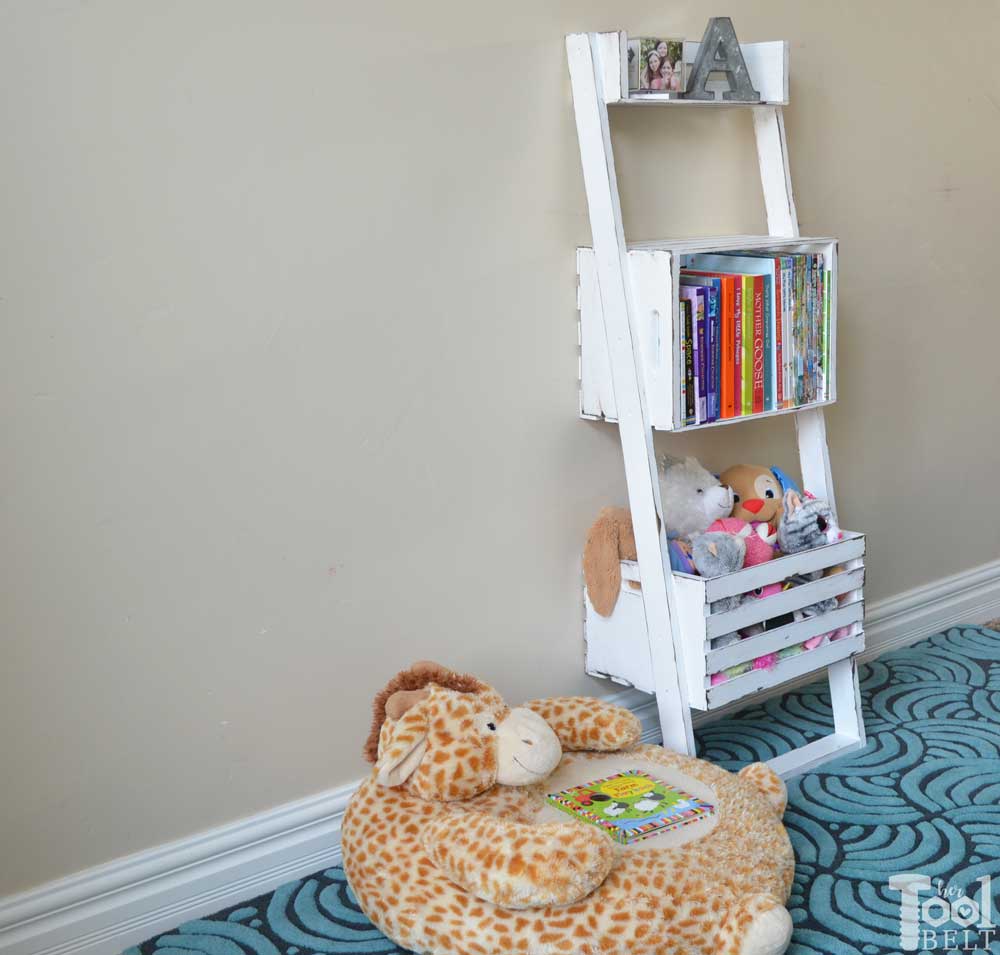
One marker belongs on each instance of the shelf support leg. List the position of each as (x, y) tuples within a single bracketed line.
[(814, 455), (622, 333), (845, 696)]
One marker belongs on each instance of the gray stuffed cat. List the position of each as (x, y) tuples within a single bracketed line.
[(806, 524), (714, 554)]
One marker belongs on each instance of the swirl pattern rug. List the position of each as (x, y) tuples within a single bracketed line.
[(923, 796)]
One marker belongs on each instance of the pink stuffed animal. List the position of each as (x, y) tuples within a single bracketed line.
[(759, 538)]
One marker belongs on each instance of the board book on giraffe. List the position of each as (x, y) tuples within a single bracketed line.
[(631, 806)]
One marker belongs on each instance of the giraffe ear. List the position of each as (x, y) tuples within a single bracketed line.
[(405, 749), (403, 700)]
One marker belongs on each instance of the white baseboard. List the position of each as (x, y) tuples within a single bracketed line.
[(103, 910), (106, 909)]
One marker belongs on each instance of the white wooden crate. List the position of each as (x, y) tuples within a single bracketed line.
[(618, 646), (655, 273)]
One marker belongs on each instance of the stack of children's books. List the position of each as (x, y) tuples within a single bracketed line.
[(754, 333)]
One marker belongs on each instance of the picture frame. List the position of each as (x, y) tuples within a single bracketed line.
[(656, 66)]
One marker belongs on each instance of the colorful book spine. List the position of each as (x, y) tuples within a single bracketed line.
[(758, 345), (682, 341), (738, 346), (701, 353), (715, 349), (721, 337), (688, 301), (769, 346), (827, 298), (779, 307), (800, 325), (728, 408), (713, 344), (810, 309), (748, 310), (788, 312)]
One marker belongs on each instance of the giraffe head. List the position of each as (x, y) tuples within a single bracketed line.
[(444, 736)]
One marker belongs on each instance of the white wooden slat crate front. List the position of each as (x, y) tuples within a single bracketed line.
[(617, 646)]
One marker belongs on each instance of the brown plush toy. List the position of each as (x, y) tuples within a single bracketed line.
[(610, 540), (452, 848), (756, 493)]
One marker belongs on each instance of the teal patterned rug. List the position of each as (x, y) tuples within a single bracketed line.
[(922, 797)]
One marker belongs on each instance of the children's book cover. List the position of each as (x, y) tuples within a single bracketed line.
[(631, 806), (695, 384), (723, 339)]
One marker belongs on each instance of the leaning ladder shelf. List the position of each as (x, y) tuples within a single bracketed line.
[(659, 638)]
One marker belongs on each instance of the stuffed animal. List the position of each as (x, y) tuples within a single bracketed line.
[(757, 493), (449, 848), (807, 523), (716, 553), (759, 538), (610, 540), (692, 497)]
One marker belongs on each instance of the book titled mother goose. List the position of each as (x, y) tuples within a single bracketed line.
[(631, 806)]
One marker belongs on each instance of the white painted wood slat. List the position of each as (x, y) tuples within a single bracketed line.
[(781, 568), (790, 669), (777, 605), (771, 641)]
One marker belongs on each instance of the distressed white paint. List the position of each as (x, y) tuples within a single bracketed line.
[(776, 180), (597, 393), (814, 455), (617, 647)]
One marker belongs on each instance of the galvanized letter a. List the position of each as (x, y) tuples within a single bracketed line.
[(720, 53)]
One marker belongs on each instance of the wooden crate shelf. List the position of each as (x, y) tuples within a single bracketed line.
[(654, 269), (614, 644)]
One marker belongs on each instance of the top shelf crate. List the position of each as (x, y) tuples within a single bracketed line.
[(767, 64), (655, 271)]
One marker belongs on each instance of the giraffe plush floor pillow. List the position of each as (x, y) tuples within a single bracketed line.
[(452, 849)]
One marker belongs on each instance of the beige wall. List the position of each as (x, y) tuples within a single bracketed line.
[(289, 363)]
